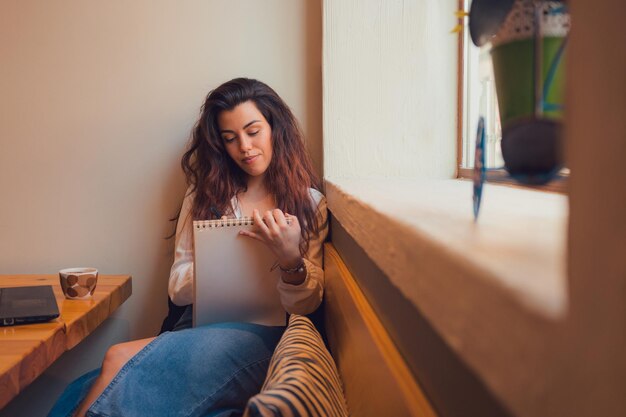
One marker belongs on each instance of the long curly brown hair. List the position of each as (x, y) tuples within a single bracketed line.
[(216, 178)]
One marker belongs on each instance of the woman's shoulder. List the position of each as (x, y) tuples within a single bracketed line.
[(190, 191), (316, 196), (189, 196)]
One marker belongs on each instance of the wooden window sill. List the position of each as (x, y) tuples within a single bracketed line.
[(491, 288), (501, 177)]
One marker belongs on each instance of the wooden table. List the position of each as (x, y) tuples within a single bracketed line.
[(27, 350)]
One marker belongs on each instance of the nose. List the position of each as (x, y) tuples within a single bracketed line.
[(245, 143)]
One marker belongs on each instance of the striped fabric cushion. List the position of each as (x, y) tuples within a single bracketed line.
[(302, 379)]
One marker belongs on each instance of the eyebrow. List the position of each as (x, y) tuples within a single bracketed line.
[(245, 127)]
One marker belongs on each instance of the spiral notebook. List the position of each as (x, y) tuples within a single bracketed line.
[(234, 276)]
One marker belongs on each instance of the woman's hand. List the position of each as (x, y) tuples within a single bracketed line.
[(281, 237)]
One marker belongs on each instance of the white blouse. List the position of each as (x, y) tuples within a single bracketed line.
[(296, 299)]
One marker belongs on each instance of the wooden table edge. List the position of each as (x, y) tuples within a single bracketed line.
[(62, 339)]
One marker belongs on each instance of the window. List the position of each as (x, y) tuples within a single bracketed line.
[(478, 97)]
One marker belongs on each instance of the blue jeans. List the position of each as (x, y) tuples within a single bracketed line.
[(206, 371)]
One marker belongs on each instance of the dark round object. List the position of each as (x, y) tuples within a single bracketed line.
[(485, 18), (532, 150)]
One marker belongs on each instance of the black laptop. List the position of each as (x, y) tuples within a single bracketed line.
[(22, 305)]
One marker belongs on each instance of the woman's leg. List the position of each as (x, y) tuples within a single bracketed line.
[(115, 358), (193, 372), (74, 394)]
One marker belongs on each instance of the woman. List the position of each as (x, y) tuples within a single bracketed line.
[(246, 158)]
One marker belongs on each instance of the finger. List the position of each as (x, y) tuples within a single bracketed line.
[(268, 217), (251, 235), (258, 221), (293, 220), (281, 221), (224, 217)]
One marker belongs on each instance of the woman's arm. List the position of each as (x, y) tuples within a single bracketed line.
[(300, 292), (304, 298), (180, 287)]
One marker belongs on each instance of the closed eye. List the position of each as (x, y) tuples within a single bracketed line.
[(229, 140), (253, 133)]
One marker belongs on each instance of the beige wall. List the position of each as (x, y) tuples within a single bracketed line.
[(390, 89), (97, 102)]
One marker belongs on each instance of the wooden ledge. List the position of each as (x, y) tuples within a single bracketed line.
[(495, 290)]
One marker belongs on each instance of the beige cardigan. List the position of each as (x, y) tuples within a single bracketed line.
[(296, 299)]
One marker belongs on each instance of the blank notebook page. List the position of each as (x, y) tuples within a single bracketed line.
[(233, 281)]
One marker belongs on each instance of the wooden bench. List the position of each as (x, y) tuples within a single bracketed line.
[(377, 381)]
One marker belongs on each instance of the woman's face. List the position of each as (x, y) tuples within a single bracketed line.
[(247, 138)]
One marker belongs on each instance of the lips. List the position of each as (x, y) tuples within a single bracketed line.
[(250, 159)]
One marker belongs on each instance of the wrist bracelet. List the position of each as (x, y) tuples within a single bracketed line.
[(297, 269)]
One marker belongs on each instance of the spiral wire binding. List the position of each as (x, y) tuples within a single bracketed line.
[(214, 224)]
